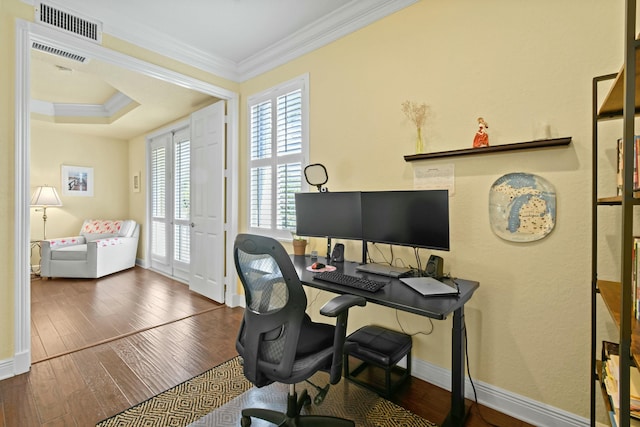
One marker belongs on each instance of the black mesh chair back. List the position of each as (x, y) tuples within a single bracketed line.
[(275, 308)]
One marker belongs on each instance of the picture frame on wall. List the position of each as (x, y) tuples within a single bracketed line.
[(77, 181)]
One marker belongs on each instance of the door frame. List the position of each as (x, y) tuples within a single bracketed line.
[(25, 33)]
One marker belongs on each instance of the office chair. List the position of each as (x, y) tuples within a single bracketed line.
[(277, 339)]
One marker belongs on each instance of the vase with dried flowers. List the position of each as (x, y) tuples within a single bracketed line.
[(417, 113)]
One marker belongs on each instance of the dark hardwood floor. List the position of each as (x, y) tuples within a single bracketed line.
[(98, 349)]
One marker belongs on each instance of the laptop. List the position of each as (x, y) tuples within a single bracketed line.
[(383, 270), (428, 286)]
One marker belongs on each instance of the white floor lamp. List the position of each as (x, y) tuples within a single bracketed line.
[(45, 197)]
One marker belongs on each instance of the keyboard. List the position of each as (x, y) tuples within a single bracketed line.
[(351, 281)]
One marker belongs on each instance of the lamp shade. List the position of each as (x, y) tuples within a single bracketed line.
[(45, 196)]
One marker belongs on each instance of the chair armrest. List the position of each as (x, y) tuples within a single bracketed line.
[(338, 307), (63, 241), (341, 303), (103, 248), (109, 241)]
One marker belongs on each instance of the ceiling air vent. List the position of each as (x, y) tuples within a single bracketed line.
[(70, 22), (55, 51)]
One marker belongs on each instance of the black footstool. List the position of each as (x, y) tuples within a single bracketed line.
[(380, 347)]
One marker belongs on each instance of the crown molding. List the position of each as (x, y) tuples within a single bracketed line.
[(113, 108), (345, 20), (172, 48), (61, 40), (354, 15)]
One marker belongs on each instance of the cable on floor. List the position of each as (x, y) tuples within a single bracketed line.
[(473, 386)]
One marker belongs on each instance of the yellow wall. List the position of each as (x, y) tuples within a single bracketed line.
[(50, 149), (137, 200), (515, 64)]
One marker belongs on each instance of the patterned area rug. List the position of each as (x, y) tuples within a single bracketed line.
[(216, 397)]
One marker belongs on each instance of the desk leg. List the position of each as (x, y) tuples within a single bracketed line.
[(457, 414)]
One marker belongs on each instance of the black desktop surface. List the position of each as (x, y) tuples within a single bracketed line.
[(394, 294)]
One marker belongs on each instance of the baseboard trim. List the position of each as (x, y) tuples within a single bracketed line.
[(6, 369), (235, 300), (514, 405)]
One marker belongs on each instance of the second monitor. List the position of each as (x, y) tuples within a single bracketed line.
[(415, 218)]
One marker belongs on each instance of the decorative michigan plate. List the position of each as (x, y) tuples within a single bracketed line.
[(522, 207)]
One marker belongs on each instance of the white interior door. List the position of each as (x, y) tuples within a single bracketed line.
[(208, 202)]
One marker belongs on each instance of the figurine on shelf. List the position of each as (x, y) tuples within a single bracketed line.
[(482, 137)]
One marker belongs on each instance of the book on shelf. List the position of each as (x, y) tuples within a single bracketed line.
[(609, 379), (635, 277), (620, 167)]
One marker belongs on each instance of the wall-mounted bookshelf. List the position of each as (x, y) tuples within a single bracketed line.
[(621, 102), (529, 145)]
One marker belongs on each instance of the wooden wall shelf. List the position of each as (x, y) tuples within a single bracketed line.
[(617, 200), (541, 143), (611, 295)]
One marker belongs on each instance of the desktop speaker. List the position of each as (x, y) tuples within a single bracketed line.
[(435, 267), (338, 253)]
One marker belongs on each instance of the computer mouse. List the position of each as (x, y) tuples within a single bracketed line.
[(317, 266)]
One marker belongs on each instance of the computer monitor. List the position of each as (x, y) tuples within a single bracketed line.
[(336, 215), (407, 218)]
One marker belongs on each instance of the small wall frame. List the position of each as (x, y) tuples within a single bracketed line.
[(77, 181), (135, 182)]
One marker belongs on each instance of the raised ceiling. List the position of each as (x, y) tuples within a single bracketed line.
[(97, 98)]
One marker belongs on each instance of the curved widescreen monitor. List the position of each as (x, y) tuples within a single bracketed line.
[(335, 215), (407, 218)]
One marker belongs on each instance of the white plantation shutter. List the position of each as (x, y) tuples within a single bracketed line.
[(289, 128), (261, 197), (278, 150), (158, 200), (182, 204), (289, 183), (261, 131), (170, 201)]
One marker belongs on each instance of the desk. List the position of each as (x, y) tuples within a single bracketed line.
[(399, 296)]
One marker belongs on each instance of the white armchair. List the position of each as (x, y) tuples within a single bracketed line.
[(103, 247)]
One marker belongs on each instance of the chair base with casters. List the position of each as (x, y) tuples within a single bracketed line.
[(292, 417)]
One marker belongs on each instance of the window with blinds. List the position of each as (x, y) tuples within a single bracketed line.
[(278, 149), (158, 201), (170, 201), (182, 204)]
